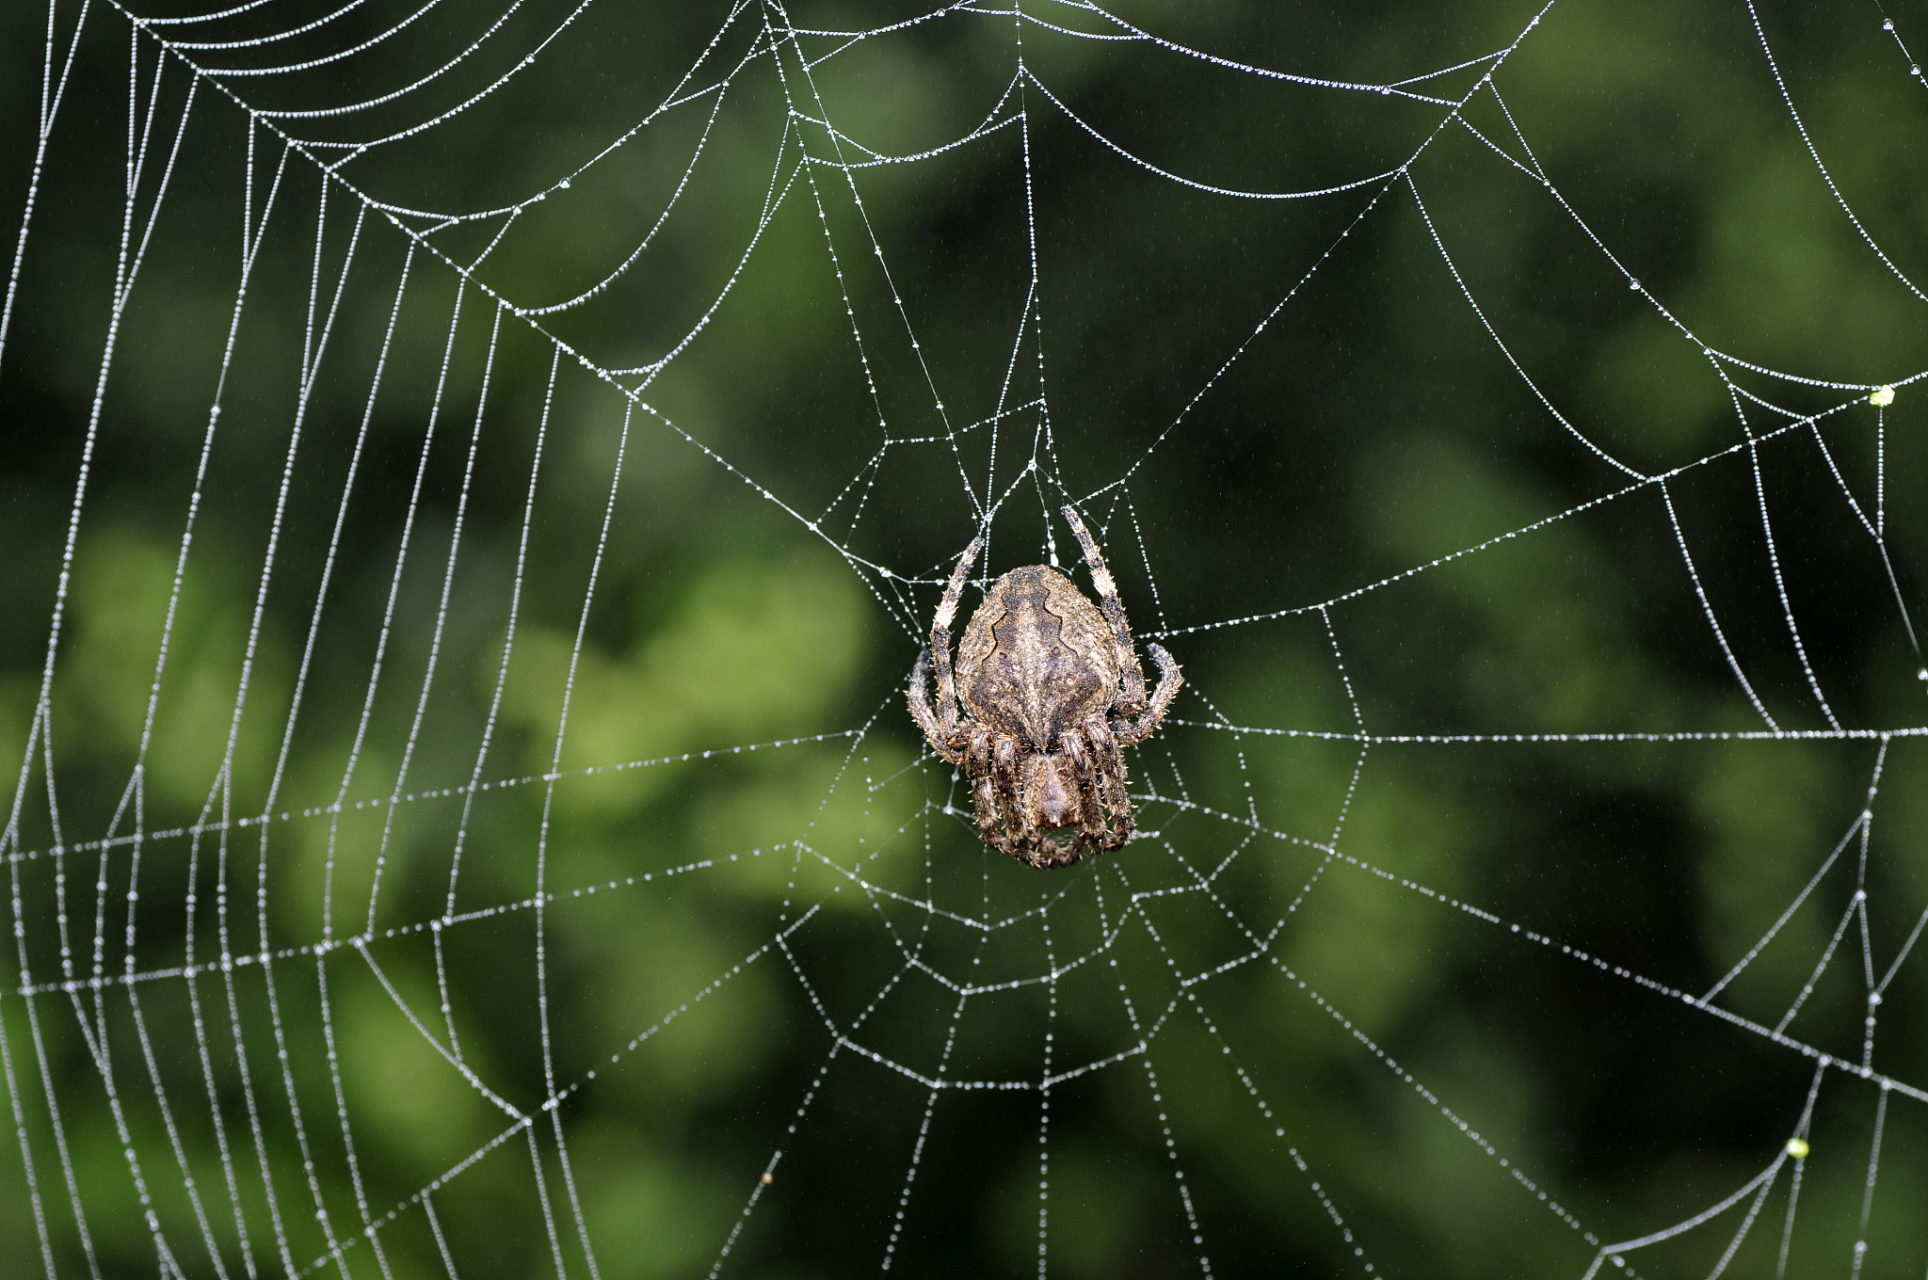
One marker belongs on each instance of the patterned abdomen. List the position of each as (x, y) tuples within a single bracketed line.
[(1042, 663)]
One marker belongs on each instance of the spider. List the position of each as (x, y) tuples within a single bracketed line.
[(1051, 690)]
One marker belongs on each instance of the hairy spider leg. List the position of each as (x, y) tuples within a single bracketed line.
[(1131, 697), (947, 743), (1091, 814), (941, 636), (1138, 719), (984, 791), (1010, 788), (1170, 678), (1110, 768), (1049, 856)]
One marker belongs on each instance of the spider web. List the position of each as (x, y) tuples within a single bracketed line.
[(482, 833)]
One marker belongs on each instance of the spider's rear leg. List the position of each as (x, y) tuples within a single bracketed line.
[(946, 738), (941, 632), (1131, 692), (1170, 680)]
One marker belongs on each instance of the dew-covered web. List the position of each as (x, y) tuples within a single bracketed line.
[(420, 740)]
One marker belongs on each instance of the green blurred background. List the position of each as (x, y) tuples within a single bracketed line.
[(761, 556)]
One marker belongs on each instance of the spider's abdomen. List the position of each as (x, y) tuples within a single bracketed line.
[(1037, 658)]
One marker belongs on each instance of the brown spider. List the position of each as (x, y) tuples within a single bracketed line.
[(1051, 689)]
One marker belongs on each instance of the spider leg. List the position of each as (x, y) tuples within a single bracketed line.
[(941, 633), (945, 740), (984, 791), (1019, 833), (1108, 764), (1131, 692), (1047, 857), (1170, 678), (1084, 773)]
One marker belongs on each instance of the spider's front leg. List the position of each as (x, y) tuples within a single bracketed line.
[(1084, 776), (1108, 778), (1108, 764), (983, 789)]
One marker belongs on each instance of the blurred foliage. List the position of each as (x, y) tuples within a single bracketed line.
[(352, 822)]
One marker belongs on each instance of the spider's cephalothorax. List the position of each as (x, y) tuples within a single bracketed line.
[(1050, 689)]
